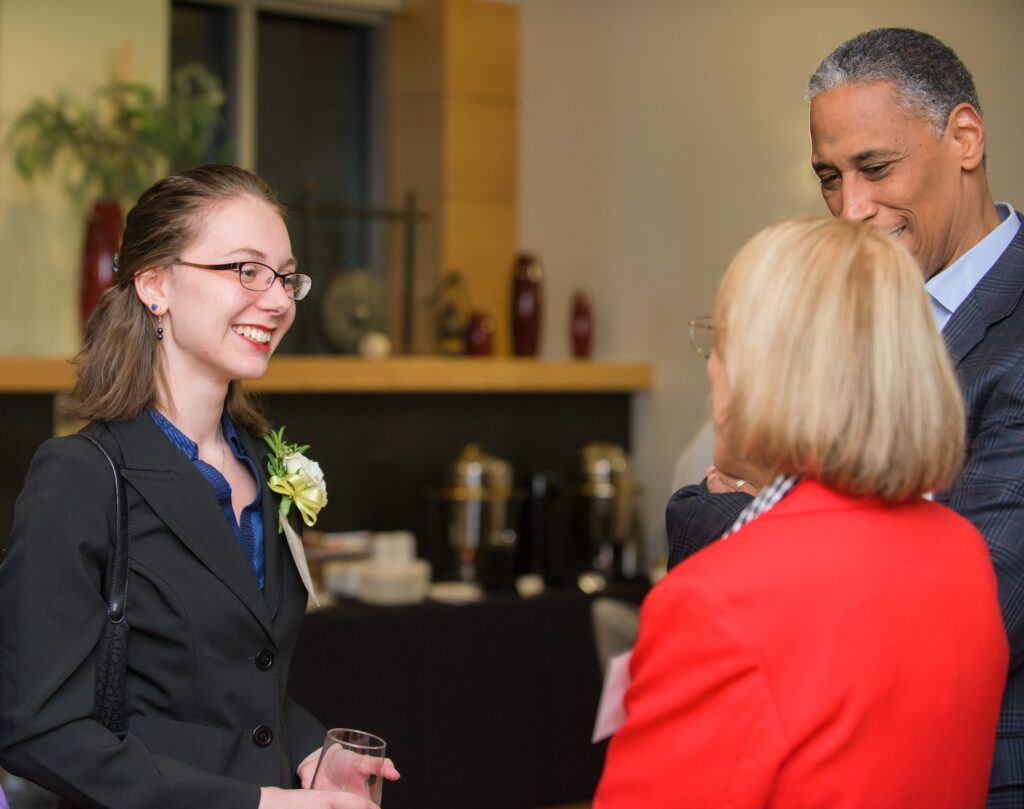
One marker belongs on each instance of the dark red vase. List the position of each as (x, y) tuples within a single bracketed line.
[(103, 232), (480, 335), (581, 324), (526, 305)]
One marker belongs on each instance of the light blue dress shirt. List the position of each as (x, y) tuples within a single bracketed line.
[(950, 288)]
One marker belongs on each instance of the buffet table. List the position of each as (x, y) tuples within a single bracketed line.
[(486, 705)]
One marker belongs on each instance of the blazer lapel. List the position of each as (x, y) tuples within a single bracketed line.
[(964, 330), (179, 494), (996, 296), (273, 553)]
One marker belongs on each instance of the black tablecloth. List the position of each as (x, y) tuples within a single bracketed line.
[(488, 705)]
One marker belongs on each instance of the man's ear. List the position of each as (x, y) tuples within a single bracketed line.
[(150, 287), (968, 132)]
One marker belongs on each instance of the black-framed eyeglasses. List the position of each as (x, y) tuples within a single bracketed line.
[(702, 336), (260, 277)]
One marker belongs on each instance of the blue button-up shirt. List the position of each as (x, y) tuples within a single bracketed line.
[(950, 287), (249, 532)]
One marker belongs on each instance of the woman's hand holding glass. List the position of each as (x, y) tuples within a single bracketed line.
[(275, 798), (351, 761)]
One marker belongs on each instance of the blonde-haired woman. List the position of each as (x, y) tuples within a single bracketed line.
[(842, 646)]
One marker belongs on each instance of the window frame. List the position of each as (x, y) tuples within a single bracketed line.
[(371, 13)]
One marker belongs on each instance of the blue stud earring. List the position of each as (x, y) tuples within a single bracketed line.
[(152, 306)]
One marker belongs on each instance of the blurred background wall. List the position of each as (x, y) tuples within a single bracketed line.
[(656, 136), (48, 46)]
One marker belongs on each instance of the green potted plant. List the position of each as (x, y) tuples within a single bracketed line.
[(112, 147)]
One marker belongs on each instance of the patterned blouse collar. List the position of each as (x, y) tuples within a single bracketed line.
[(768, 497)]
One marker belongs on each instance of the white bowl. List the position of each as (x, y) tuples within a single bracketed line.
[(395, 584)]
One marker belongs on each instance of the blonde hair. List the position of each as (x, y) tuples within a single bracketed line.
[(836, 368)]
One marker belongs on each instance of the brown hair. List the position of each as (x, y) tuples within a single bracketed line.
[(836, 367), (118, 368)]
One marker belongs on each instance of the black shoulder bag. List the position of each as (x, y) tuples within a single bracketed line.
[(112, 650)]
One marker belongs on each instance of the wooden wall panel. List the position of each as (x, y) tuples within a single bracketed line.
[(482, 41), (452, 120)]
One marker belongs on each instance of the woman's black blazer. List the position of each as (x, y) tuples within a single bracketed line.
[(209, 718)]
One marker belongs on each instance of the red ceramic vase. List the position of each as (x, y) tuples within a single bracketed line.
[(526, 305), (581, 325), (480, 335), (103, 232)]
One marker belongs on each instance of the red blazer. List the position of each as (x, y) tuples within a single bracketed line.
[(835, 652)]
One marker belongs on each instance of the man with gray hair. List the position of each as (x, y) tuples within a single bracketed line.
[(897, 140)]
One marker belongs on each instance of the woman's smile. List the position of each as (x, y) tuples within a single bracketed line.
[(258, 336)]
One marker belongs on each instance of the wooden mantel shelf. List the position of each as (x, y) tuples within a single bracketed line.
[(323, 374)]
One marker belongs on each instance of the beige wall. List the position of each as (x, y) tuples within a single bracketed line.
[(658, 135), (46, 46)]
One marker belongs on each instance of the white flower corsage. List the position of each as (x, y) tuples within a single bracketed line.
[(300, 481), (295, 477)]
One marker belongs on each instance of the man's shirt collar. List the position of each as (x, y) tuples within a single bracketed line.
[(950, 287)]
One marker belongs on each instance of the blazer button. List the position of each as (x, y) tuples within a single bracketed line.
[(262, 736), (264, 659)]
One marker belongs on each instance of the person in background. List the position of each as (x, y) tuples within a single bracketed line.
[(206, 288), (898, 141), (842, 645)]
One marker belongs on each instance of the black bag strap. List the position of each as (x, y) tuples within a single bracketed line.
[(112, 648), (117, 596)]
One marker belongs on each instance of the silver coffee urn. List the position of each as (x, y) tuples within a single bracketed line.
[(479, 497), (609, 495)]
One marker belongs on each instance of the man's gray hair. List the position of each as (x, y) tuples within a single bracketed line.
[(927, 73)]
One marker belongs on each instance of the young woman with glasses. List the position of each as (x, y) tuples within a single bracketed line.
[(206, 288)]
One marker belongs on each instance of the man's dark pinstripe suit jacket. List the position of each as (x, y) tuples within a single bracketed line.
[(985, 338)]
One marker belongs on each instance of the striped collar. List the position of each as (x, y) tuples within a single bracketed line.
[(769, 496)]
